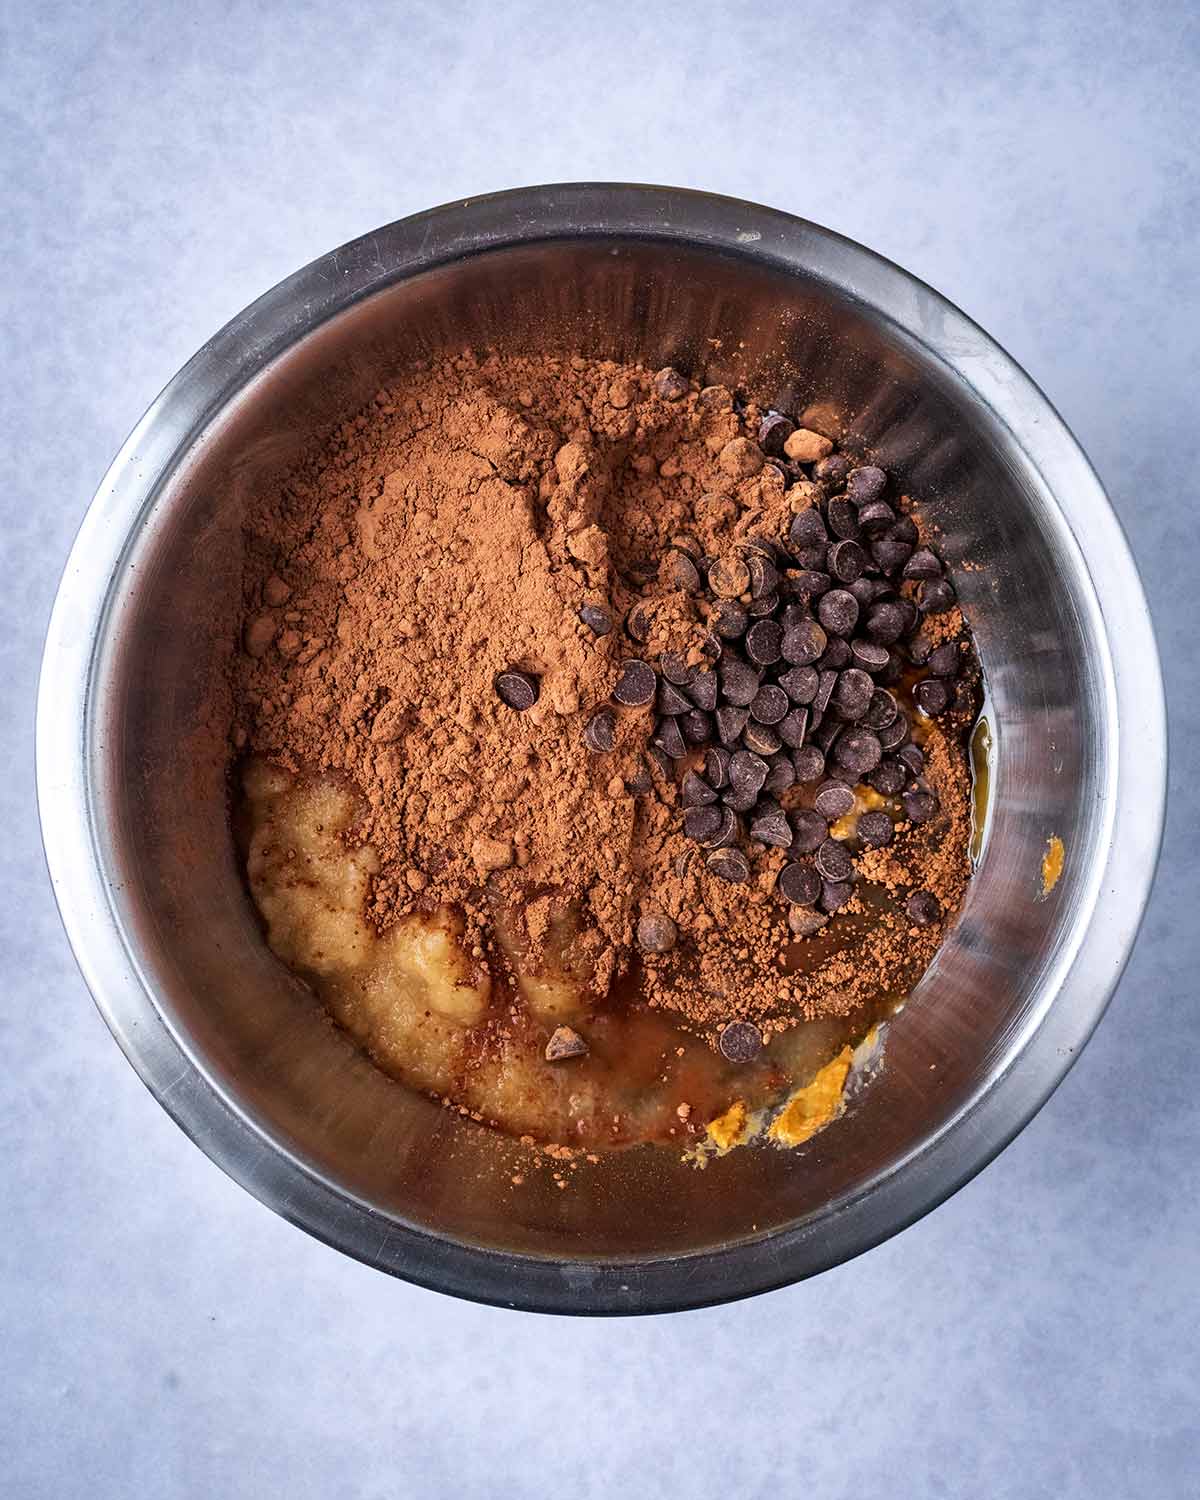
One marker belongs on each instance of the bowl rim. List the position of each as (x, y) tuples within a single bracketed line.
[(1077, 992)]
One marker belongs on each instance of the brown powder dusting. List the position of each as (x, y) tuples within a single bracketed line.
[(454, 529)]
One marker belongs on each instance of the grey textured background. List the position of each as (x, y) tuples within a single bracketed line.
[(162, 1334)]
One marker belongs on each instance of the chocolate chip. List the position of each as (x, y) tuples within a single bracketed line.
[(933, 696), (835, 894), (858, 750), (814, 557), (846, 561), (730, 723), (764, 575), (637, 684), (853, 693), (596, 618), (675, 668), (799, 883), (769, 704), (640, 782), (740, 802), (889, 777), (905, 530), (895, 733), (763, 641), (833, 800), (869, 655), (763, 739), (739, 682), (696, 727), (922, 908), (843, 520), (808, 583), (833, 861), (656, 934), (803, 643), (701, 822), (760, 609), (809, 763), (836, 656), (936, 596), (565, 1043), (712, 646), (944, 659), (729, 619), (716, 767), (793, 727), (702, 690), (808, 529), (825, 731), (865, 483), (781, 775), (729, 864), (669, 739), (911, 614), (670, 385), (870, 591), (882, 709), (678, 571), (825, 686), (874, 829), (725, 832), (912, 759), (809, 830), (772, 829), (886, 621), (601, 733), (637, 625), (923, 564), (890, 554), (729, 577), (518, 690), (920, 804), (800, 683), (838, 612), (740, 1041), (918, 650), (695, 791), (834, 468), (803, 922), (747, 772), (773, 431), (671, 701)]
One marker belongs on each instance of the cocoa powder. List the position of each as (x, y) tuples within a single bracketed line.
[(455, 529)]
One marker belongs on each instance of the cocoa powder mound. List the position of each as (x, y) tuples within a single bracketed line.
[(454, 530)]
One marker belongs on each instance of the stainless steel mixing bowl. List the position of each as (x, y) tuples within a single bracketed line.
[(132, 780)]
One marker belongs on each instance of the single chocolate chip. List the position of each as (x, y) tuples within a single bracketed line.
[(886, 621), (678, 571), (808, 529), (695, 791), (763, 641), (923, 564), (669, 739), (601, 733), (800, 884), (874, 829), (729, 864), (944, 659), (675, 668), (596, 618), (809, 763), (671, 701), (769, 704), (865, 483), (893, 735), (518, 690), (637, 625), (701, 822), (740, 1041), (843, 519), (834, 861), (712, 646), (912, 759), (696, 727), (889, 554), (814, 557), (922, 908), (882, 709), (773, 431), (838, 612), (800, 683), (656, 934), (803, 643), (763, 739), (683, 863), (730, 723), (852, 694), (876, 517), (918, 650), (920, 804), (912, 615), (640, 782), (764, 575), (825, 731), (858, 751), (781, 775), (747, 772), (869, 655), (565, 1043), (836, 656), (889, 777), (740, 802), (660, 760), (773, 829), (905, 530), (729, 577), (834, 800), (725, 832), (670, 385), (702, 690), (809, 830), (871, 590), (825, 686), (933, 696), (936, 596), (846, 561), (834, 468), (739, 682), (716, 767), (793, 727), (835, 894), (808, 583), (729, 619), (761, 609), (637, 684), (683, 541)]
